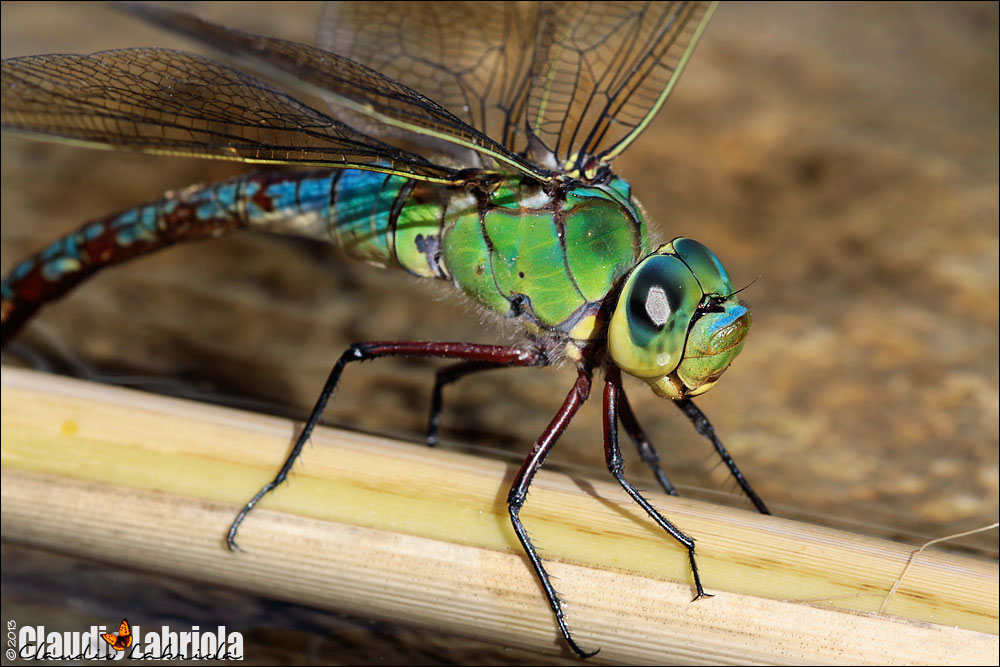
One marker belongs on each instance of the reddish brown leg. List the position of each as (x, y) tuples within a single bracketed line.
[(519, 491), (489, 354), (454, 373)]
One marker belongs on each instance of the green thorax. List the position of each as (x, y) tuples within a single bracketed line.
[(546, 256), (548, 260)]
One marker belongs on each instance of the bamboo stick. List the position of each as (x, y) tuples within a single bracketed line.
[(392, 530)]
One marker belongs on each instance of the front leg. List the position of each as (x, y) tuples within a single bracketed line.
[(642, 442), (613, 455), (705, 428), (455, 372)]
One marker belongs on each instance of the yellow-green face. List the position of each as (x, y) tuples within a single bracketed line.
[(677, 324)]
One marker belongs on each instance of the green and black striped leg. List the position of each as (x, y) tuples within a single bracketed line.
[(493, 355), (613, 455)]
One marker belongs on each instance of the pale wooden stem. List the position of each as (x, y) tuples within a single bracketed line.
[(399, 531)]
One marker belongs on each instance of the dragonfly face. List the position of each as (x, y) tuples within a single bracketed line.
[(677, 324)]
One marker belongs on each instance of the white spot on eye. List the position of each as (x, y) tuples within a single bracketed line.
[(657, 306)]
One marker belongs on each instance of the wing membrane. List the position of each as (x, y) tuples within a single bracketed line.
[(560, 81), (334, 77), (474, 58), (161, 101), (602, 71)]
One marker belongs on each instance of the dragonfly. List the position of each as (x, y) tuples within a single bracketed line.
[(510, 114)]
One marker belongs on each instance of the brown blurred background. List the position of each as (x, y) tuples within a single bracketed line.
[(845, 156)]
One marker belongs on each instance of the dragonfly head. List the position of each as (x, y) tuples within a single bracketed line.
[(677, 324)]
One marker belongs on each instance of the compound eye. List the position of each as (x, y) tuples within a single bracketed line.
[(705, 266), (649, 327)]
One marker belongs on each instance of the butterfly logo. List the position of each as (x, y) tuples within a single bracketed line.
[(123, 639)]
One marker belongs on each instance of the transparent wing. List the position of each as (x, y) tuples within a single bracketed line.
[(601, 72), (559, 82), (473, 58), (341, 80), (161, 101)]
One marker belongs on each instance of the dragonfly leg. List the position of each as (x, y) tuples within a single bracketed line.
[(519, 491), (443, 377), (646, 450), (496, 355), (454, 373), (704, 427), (613, 454)]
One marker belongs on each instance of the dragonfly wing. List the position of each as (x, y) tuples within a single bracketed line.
[(472, 58), (559, 82), (341, 80), (601, 71), (162, 101)]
